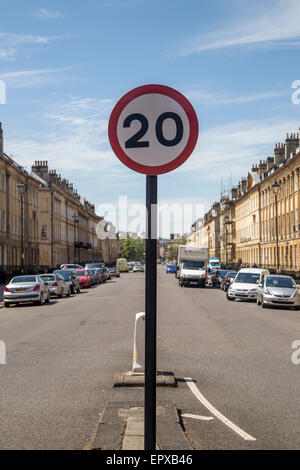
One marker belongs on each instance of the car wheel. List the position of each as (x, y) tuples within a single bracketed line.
[(69, 293), (6, 305), (258, 301), (229, 298), (41, 301), (48, 298), (78, 290), (263, 305), (61, 293)]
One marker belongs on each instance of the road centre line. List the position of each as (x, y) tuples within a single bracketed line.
[(192, 386)]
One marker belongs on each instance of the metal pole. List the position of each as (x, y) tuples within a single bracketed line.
[(277, 247), (22, 235), (150, 317)]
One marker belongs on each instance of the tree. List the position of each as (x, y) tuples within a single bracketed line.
[(132, 250)]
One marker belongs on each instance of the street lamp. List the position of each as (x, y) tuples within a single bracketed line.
[(76, 221), (226, 220), (276, 189), (93, 236), (22, 188)]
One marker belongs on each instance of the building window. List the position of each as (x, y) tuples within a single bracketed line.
[(44, 232)]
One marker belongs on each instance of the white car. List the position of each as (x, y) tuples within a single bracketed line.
[(245, 284), (57, 285), (23, 289), (70, 266), (138, 268)]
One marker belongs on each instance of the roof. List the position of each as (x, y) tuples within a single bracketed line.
[(252, 270)]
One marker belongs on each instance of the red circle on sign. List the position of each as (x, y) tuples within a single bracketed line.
[(192, 138)]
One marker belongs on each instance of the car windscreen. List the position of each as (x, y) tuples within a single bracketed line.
[(193, 265), (223, 274), (65, 274), (94, 265), (81, 273), (48, 278), (214, 263), (231, 275), (23, 279), (280, 282), (247, 278)]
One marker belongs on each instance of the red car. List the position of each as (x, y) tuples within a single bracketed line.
[(84, 276)]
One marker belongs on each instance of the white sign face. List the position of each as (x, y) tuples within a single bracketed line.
[(161, 125), (153, 129)]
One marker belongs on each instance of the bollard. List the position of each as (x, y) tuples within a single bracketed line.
[(138, 367)]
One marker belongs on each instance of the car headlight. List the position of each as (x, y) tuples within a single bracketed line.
[(295, 293), (268, 292), (253, 290)]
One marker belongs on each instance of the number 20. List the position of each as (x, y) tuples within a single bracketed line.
[(135, 142)]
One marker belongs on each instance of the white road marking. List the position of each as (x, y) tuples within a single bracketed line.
[(201, 418), (191, 384)]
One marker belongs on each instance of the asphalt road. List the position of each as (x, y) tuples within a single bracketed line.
[(61, 360)]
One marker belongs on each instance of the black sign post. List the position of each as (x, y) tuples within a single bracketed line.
[(153, 129), (150, 317)]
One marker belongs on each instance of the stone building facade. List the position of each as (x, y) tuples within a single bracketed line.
[(68, 222), (12, 225), (250, 225)]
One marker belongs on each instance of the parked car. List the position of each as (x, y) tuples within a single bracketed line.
[(92, 276), (26, 289), (114, 272), (57, 285), (278, 290), (171, 268), (71, 278), (71, 266), (138, 268), (218, 276), (103, 274), (84, 277), (227, 280), (245, 284), (209, 277), (95, 272), (94, 265)]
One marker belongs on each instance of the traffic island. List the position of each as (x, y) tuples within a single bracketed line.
[(122, 428), (128, 379)]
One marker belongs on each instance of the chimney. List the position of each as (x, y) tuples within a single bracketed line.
[(234, 192), (270, 163), (279, 153), (244, 185), (291, 144), (41, 169), (1, 139), (262, 168)]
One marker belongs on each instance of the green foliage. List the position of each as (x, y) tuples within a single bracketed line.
[(132, 250)]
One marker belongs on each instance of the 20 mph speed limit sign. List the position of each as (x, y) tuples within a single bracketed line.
[(153, 129)]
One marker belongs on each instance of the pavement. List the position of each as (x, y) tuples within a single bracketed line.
[(237, 387)]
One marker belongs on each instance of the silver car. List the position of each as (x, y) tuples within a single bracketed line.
[(26, 289), (278, 290), (57, 285)]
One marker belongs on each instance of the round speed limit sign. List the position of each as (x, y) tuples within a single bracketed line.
[(153, 129)]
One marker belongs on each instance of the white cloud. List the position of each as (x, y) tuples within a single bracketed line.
[(44, 14), (29, 78), (220, 98), (276, 23), (11, 42)]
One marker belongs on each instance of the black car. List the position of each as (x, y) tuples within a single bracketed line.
[(70, 276), (226, 281), (218, 277)]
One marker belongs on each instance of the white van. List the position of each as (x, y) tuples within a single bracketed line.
[(245, 284)]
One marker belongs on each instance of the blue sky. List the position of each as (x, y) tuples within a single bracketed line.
[(66, 64)]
